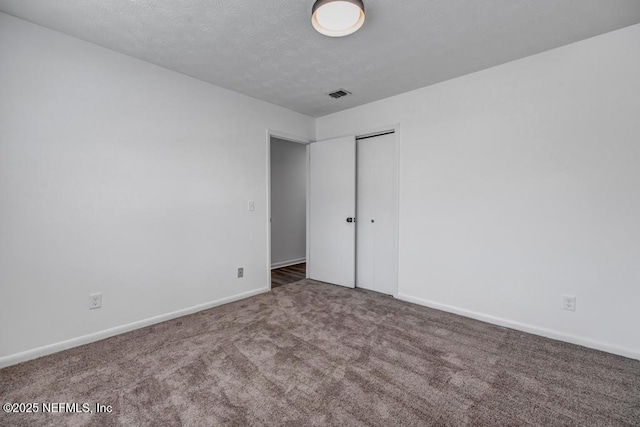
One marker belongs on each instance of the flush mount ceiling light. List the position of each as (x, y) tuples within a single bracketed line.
[(337, 18)]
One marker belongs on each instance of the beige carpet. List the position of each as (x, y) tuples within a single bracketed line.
[(315, 354)]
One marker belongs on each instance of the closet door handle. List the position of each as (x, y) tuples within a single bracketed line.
[(350, 219), (373, 220)]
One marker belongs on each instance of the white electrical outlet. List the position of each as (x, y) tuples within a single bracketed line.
[(251, 206), (569, 302), (240, 272), (95, 301)]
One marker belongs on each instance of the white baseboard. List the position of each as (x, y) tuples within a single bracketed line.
[(14, 359), (287, 263), (535, 330)]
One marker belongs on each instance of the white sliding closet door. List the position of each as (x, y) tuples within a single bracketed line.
[(377, 216)]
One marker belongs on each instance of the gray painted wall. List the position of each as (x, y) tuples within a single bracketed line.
[(288, 201)]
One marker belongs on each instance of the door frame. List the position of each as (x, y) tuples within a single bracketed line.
[(300, 140)]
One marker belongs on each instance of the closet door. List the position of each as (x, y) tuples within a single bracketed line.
[(365, 213), (377, 214), (332, 206)]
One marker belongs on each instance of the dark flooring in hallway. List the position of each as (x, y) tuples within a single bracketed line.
[(290, 274)]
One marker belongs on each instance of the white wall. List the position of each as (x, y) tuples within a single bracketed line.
[(120, 177), (521, 183), (288, 202)]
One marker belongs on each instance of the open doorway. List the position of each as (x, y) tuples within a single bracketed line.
[(288, 171)]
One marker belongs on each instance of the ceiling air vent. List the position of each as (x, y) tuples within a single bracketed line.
[(339, 93)]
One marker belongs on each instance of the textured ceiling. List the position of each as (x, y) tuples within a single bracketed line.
[(267, 49)]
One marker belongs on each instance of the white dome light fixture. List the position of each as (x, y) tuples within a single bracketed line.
[(337, 18)]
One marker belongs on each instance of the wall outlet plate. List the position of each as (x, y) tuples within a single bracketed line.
[(569, 302), (240, 272), (95, 301)]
